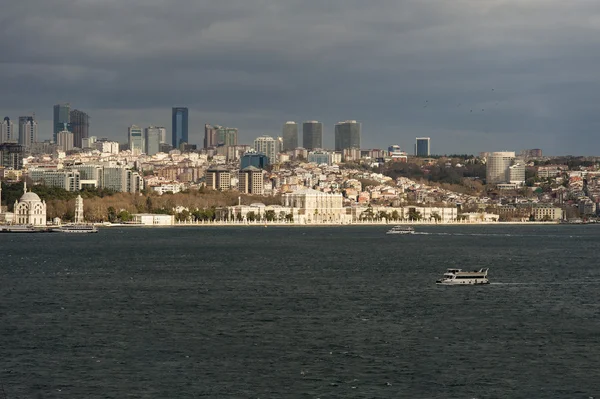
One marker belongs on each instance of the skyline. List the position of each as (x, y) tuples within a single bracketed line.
[(404, 69)]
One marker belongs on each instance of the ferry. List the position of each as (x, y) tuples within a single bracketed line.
[(401, 230), (21, 228), (459, 277), (77, 228)]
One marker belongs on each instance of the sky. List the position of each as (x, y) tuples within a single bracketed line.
[(474, 75)]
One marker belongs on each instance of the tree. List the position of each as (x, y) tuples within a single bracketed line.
[(112, 214), (124, 216), (395, 215), (251, 216), (436, 216), (270, 215), (289, 218), (413, 214)]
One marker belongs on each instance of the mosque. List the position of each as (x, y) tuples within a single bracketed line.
[(30, 209)]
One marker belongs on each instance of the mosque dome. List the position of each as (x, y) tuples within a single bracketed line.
[(30, 197)]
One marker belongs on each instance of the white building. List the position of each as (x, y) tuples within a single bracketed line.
[(498, 167), (88, 142), (30, 209), (312, 206), (105, 146), (136, 140), (149, 219), (66, 179), (268, 146), (516, 173), (64, 140), (170, 187)]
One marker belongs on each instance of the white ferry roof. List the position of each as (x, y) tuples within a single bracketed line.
[(482, 270)]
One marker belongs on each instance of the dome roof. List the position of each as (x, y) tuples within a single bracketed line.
[(30, 197)]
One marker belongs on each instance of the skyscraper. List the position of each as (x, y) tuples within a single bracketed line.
[(347, 135), (152, 140), (11, 155), (216, 136), (423, 147), (62, 119), (80, 126), (497, 168), (7, 131), (28, 131), (312, 135), (179, 126), (136, 139), (290, 136), (267, 145)]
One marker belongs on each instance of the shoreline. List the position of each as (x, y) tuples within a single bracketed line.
[(270, 224)]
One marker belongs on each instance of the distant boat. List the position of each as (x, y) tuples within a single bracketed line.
[(77, 228), (458, 277), (23, 228), (401, 230)]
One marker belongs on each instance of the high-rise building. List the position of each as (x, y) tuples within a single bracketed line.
[(80, 127), (216, 136), (290, 136), (218, 178), (62, 119), (11, 155), (423, 147), (88, 142), (312, 135), (28, 131), (267, 145), (347, 135), (152, 140), (7, 131), (251, 181), (497, 168), (163, 134), (136, 139), (179, 126), (64, 140)]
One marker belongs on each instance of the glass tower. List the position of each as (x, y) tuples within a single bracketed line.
[(180, 126), (62, 119)]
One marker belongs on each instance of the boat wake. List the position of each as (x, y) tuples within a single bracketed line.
[(553, 283), (496, 235)]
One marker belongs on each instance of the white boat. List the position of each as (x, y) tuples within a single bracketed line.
[(77, 228), (459, 277), (401, 230)]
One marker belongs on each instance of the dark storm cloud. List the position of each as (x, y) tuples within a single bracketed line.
[(474, 75)]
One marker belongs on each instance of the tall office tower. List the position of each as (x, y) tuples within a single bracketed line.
[(136, 140), (28, 131), (216, 136), (290, 136), (64, 140), (80, 127), (267, 145), (347, 135), (7, 131), (62, 119), (152, 140), (179, 126), (497, 168), (163, 134), (312, 135), (423, 147)]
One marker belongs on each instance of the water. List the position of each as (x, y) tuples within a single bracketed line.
[(254, 312)]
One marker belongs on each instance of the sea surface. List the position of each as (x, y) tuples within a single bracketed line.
[(300, 312)]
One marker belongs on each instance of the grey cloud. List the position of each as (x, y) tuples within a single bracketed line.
[(403, 68)]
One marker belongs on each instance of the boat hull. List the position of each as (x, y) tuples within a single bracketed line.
[(463, 282)]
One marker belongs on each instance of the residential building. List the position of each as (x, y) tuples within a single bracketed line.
[(179, 126), (216, 136), (251, 181), (136, 140), (11, 156), (122, 180), (218, 178), (347, 135), (68, 180), (152, 140), (548, 212), (516, 173), (80, 127), (267, 145), (290, 136), (88, 142), (312, 135), (252, 158), (64, 140), (423, 146), (62, 119), (498, 167), (321, 157), (107, 146), (7, 131), (28, 131)]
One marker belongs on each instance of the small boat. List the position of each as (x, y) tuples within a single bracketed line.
[(19, 228), (459, 277), (77, 228), (401, 230)]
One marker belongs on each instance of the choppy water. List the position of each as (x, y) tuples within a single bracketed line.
[(300, 313)]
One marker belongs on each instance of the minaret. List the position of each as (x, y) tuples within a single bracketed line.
[(79, 210), (1, 198), (24, 187)]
